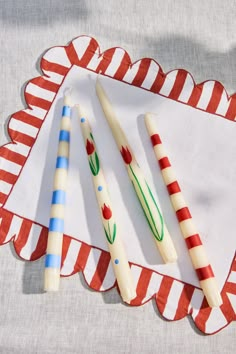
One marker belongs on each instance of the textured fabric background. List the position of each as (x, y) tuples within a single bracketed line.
[(197, 36)]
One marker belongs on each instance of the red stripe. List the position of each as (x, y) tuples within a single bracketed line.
[(23, 235), (203, 315), (40, 249), (233, 267), (5, 225), (101, 270), (12, 156), (173, 188), (227, 308), (36, 101), (231, 112), (142, 286), (179, 84), (156, 140), (142, 72), (105, 61), (162, 295), (28, 118), (193, 241), (65, 247), (82, 257), (21, 137), (89, 53), (3, 197), (57, 68), (72, 54), (184, 301), (8, 177), (195, 96), (159, 81), (230, 288), (46, 84), (215, 98), (183, 214), (204, 273), (123, 68), (164, 162)]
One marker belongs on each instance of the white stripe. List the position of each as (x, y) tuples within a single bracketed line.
[(91, 264), (196, 302), (168, 83), (36, 112), (32, 241), (22, 127), (132, 72), (187, 89), (206, 94), (14, 228), (81, 44), (53, 77), (215, 321), (40, 92), (232, 277), (9, 166), (109, 279), (60, 54), (95, 61), (136, 271), (151, 75), (71, 258), (173, 300), (115, 62), (223, 104), (19, 148), (153, 286), (5, 187), (232, 299)]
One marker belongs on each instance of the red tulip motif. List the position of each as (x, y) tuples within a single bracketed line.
[(126, 154), (106, 212), (89, 147)]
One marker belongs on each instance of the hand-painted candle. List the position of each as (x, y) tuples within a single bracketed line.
[(56, 223), (118, 255), (150, 206), (193, 241)]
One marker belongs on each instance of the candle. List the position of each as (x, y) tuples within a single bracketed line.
[(193, 241), (150, 206), (56, 223), (118, 256)]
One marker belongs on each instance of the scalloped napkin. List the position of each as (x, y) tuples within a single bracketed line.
[(201, 154), (201, 148)]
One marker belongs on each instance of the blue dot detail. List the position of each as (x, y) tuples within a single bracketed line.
[(100, 188), (82, 120), (116, 261)]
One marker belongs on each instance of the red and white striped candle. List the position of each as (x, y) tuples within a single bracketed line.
[(192, 238)]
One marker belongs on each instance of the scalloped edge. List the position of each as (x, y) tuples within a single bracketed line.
[(179, 85)]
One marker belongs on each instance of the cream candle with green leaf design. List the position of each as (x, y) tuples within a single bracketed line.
[(119, 259), (150, 206)]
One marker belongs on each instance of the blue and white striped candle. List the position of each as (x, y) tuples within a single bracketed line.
[(56, 222)]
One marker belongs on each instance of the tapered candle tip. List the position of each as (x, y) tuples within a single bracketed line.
[(67, 97)]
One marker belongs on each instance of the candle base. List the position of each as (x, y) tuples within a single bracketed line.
[(211, 292), (51, 279)]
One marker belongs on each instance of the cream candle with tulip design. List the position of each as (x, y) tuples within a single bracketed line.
[(119, 259), (150, 206)]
